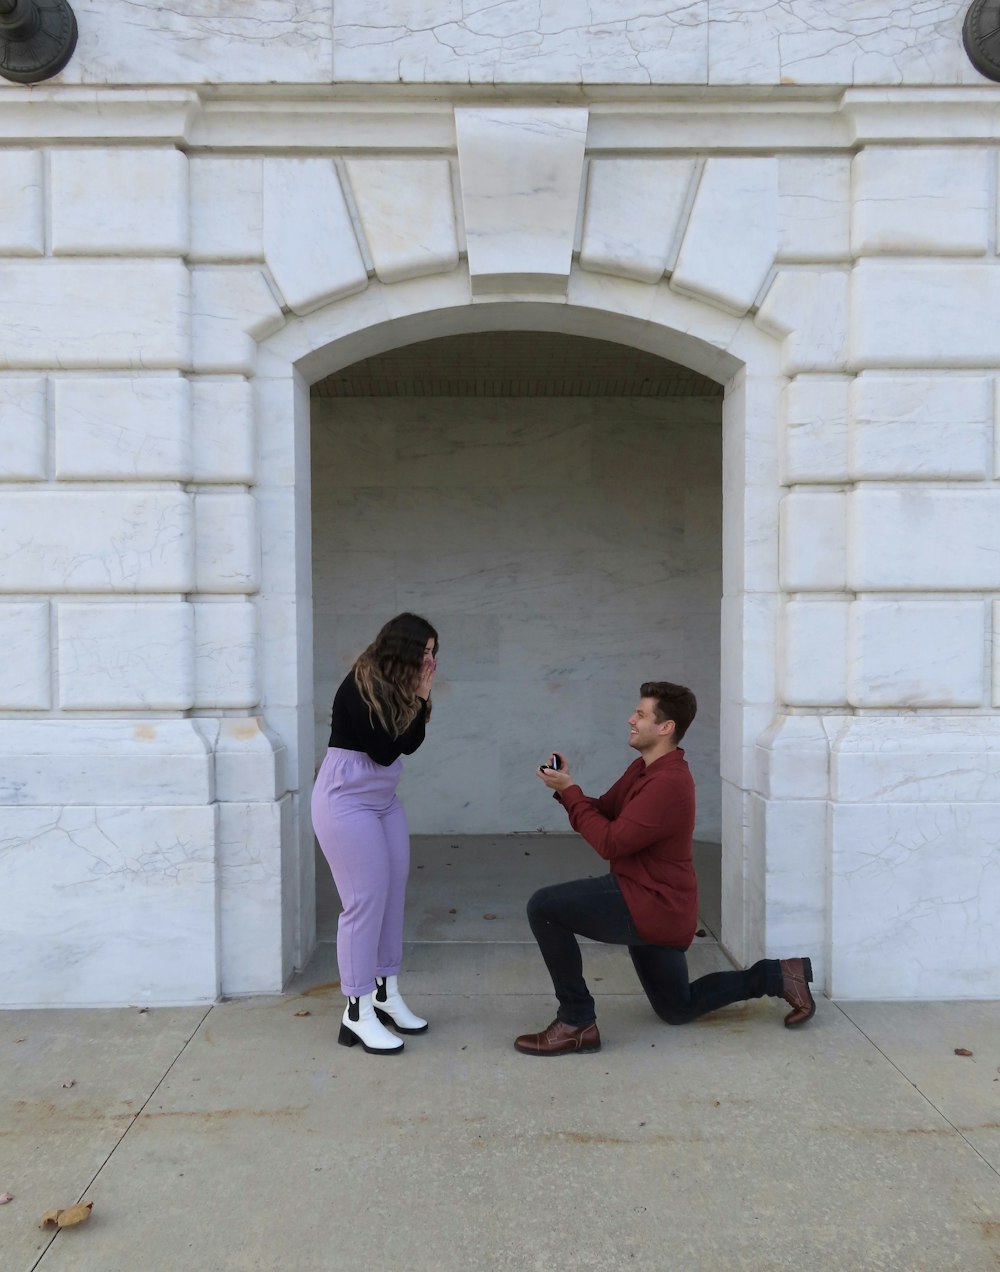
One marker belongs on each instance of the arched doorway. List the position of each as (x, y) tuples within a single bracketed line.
[(554, 503)]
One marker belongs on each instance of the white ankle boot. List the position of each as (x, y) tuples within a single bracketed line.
[(360, 1024), (390, 1008)]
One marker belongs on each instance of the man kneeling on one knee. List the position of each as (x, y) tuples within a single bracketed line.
[(643, 828)]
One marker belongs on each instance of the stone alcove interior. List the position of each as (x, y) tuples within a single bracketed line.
[(553, 503)]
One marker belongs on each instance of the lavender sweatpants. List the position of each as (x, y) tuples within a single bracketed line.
[(361, 827)]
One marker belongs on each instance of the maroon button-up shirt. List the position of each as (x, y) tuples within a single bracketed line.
[(643, 827)]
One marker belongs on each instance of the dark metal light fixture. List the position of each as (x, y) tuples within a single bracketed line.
[(37, 39)]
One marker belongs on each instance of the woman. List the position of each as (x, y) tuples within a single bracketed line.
[(379, 713)]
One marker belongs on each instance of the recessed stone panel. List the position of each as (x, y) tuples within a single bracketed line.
[(918, 538), (119, 429), (22, 229), (222, 430), (813, 542), (920, 427), (126, 657), (119, 202), (95, 315), (814, 654), (23, 431), (408, 215), (98, 541), (228, 551), (225, 654), (917, 654), (633, 215), (24, 668), (731, 237), (921, 201)]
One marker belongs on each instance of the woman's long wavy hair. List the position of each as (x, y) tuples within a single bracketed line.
[(388, 672)]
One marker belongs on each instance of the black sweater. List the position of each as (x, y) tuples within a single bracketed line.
[(354, 728)]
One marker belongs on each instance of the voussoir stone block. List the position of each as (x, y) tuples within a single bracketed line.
[(309, 240), (931, 314), (228, 543), (633, 215), (916, 653), (814, 208), (118, 429), (807, 309), (920, 427), (407, 212), (96, 541), (126, 656), (813, 541), (222, 430), (814, 654), (227, 209), (731, 237), (814, 412), (24, 668), (915, 538), (119, 202), (23, 432), (521, 169), (917, 200), (225, 654), (231, 310), (22, 212), (103, 314)]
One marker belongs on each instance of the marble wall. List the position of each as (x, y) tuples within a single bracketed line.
[(566, 549)]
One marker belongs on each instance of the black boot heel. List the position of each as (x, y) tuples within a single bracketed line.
[(347, 1037)]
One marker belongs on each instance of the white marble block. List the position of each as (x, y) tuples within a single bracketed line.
[(119, 202), (309, 240), (117, 429), (23, 429), (250, 838), (223, 437), (225, 654), (920, 427), (24, 668), (915, 904), (95, 314), (814, 411), (96, 541), (227, 208), (922, 201), (22, 227), (916, 538), (558, 42), (228, 543), (251, 762), (917, 654), (731, 237), (126, 656), (633, 215), (814, 654), (814, 208), (807, 309), (109, 905), (521, 168), (795, 878), (813, 542), (407, 212), (930, 314), (231, 310)]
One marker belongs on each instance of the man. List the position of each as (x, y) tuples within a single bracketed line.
[(649, 900)]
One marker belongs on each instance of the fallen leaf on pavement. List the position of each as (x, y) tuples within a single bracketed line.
[(67, 1218), (303, 1013), (5, 1197), (452, 911), (489, 916), (962, 1051), (701, 932), (70, 1082), (143, 1011)]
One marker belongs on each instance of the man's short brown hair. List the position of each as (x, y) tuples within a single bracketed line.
[(673, 702)]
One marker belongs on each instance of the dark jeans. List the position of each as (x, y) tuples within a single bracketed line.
[(595, 908)]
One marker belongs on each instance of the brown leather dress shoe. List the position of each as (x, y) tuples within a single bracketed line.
[(796, 973), (560, 1040)]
